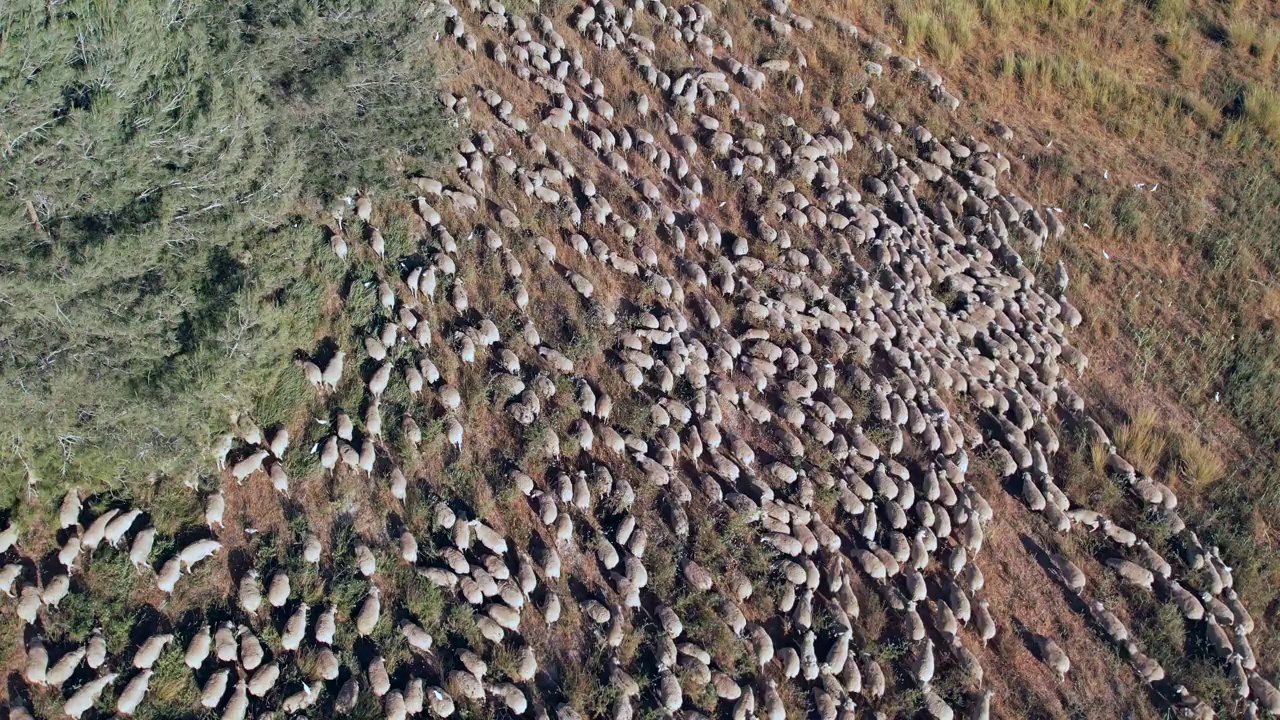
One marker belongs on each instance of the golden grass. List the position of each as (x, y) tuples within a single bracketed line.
[(1166, 10), (1140, 440), (1262, 107), (1008, 12), (1241, 33), (1180, 43), (1099, 88), (1204, 111), (1098, 454), (1198, 463), (1267, 45), (945, 28)]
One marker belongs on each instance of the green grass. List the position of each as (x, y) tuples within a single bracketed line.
[(172, 692), (111, 580), (157, 269), (423, 600)]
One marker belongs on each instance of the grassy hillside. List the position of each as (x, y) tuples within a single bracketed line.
[(160, 260), (157, 160), (1154, 125)]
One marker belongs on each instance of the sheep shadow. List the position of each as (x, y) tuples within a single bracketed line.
[(1041, 556)]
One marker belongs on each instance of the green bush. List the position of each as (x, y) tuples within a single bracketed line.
[(160, 168)]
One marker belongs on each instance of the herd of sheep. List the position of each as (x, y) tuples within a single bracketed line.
[(856, 331)]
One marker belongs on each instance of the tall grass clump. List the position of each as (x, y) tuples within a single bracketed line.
[(1140, 440), (945, 28), (1168, 10), (1262, 107), (1268, 44), (1198, 462), (1105, 91), (1241, 33)]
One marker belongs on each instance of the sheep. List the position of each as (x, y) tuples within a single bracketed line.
[(1186, 602), (224, 643), (1265, 693), (326, 626), (85, 697), (332, 373), (251, 651), (1052, 655), (140, 552), (150, 650), (936, 706), (197, 551), (55, 590), (214, 689), (131, 697), (366, 562), (1219, 641), (1242, 618), (348, 696), (295, 629), (96, 650), (453, 431), (278, 590), (1132, 573), (263, 679), (64, 668), (214, 508), (37, 664), (417, 638), (370, 613), (1118, 534), (1070, 575), (198, 648), (245, 468), (69, 510)]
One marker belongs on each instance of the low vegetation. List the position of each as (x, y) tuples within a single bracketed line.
[(159, 166)]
